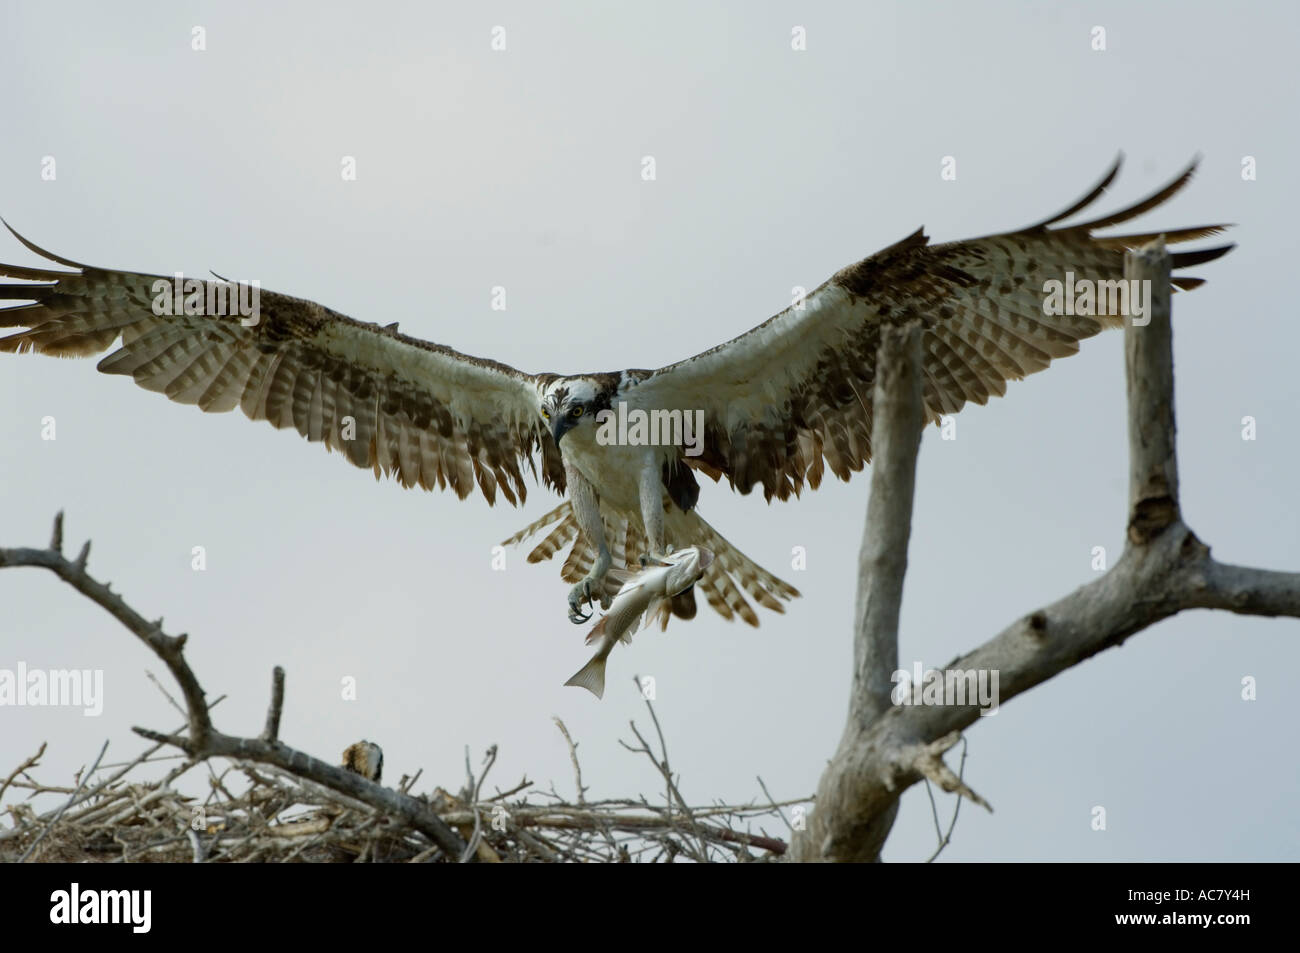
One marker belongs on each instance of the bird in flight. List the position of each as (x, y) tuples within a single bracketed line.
[(773, 408)]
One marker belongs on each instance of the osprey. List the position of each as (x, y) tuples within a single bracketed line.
[(364, 758), (772, 408)]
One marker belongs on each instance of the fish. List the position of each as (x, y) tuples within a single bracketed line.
[(643, 597)]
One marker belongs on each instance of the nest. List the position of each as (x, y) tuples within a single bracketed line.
[(277, 817), (293, 807)]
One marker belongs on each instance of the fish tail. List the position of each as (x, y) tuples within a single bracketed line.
[(591, 677)]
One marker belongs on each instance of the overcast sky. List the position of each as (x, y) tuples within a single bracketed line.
[(521, 168)]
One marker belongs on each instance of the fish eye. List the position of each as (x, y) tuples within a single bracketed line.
[(575, 412)]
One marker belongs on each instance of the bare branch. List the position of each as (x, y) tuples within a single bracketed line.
[(946, 838), (1149, 373), (573, 757), (1163, 570), (272, 730), (895, 441), (31, 762), (67, 804), (772, 802), (203, 741), (835, 828), (928, 759), (476, 847), (164, 646)]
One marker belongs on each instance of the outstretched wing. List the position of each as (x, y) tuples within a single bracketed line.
[(421, 412), (793, 395)]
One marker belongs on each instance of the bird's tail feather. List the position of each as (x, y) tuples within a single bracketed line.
[(725, 583), (559, 513)]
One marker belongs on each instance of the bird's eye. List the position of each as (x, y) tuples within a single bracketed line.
[(546, 413), (575, 412)]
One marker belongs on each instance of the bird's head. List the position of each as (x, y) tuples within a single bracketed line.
[(570, 403)]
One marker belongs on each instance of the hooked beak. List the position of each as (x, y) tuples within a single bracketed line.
[(558, 429)]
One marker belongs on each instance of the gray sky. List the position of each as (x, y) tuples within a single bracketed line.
[(521, 168)]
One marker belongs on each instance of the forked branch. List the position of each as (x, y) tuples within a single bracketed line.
[(1163, 570)]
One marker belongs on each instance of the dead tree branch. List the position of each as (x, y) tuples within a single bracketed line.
[(1163, 570), (202, 740)]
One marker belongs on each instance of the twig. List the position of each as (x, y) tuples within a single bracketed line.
[(573, 757), (72, 800), (472, 848), (770, 800), (946, 839), (31, 762)]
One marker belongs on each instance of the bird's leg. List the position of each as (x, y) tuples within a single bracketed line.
[(592, 584), (651, 490), (586, 510)]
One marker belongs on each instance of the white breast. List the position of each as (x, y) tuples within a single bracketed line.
[(612, 469)]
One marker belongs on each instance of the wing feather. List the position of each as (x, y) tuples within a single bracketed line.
[(419, 412), (981, 304)]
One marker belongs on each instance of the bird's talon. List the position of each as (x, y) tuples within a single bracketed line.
[(577, 595)]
